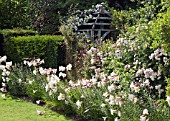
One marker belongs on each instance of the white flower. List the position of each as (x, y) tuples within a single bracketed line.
[(119, 113), (89, 52), (3, 59), (93, 80), (2, 67), (29, 64), (61, 96), (3, 89), (5, 73), (34, 72), (8, 64), (42, 71), (78, 103), (62, 68), (69, 67), (47, 87), (3, 95), (3, 84), (19, 80), (112, 87), (106, 94), (168, 100), (34, 91), (143, 118), (92, 61), (104, 118), (103, 105), (158, 87), (146, 82), (30, 82), (117, 119), (151, 56), (62, 75), (38, 102), (112, 111), (118, 54), (132, 97), (137, 89), (25, 62), (42, 61), (82, 96), (145, 112)]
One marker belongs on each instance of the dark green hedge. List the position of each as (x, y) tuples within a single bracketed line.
[(45, 47), (16, 32), (6, 33)]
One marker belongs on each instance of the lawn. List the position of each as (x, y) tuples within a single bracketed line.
[(15, 109)]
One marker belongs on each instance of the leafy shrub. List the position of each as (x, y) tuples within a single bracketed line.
[(44, 47), (7, 33), (161, 31)]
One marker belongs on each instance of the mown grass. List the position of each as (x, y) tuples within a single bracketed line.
[(15, 109)]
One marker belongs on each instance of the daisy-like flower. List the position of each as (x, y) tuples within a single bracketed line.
[(106, 94), (143, 118), (137, 89), (34, 91), (145, 112), (112, 111), (19, 80), (104, 118), (3, 84), (78, 103), (62, 75), (62, 68), (146, 82), (69, 67), (3, 59), (158, 87), (116, 119), (34, 72), (112, 87), (8, 64), (61, 96), (38, 102), (132, 97)]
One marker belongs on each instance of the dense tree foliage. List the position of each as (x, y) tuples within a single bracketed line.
[(44, 15)]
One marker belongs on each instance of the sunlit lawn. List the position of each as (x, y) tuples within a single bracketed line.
[(19, 110)]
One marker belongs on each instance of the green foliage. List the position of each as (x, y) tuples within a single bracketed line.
[(16, 32), (168, 87), (14, 13), (161, 31), (44, 47), (161, 112), (23, 82)]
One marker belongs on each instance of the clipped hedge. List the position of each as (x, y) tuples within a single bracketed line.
[(7, 33), (16, 32), (45, 47)]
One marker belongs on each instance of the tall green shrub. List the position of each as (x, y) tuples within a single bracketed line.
[(44, 47), (6, 33)]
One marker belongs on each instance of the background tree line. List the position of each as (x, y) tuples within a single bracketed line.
[(44, 15)]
